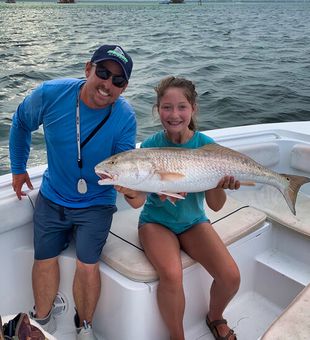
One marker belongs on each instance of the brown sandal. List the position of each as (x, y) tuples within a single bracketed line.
[(212, 326)]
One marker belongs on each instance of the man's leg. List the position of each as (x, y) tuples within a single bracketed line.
[(50, 238), (92, 229), (45, 283), (86, 290)]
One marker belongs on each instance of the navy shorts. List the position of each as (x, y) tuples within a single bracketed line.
[(54, 226)]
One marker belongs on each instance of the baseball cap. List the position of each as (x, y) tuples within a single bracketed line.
[(115, 53)]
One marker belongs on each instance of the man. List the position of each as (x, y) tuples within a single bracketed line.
[(84, 122)]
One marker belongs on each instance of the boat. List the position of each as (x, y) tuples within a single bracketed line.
[(270, 245), (167, 2), (10, 1), (66, 1)]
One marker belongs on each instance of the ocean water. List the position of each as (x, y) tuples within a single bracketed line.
[(249, 61)]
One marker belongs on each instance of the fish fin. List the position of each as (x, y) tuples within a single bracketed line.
[(106, 181), (171, 194), (217, 148), (290, 193), (171, 201), (214, 147), (170, 176)]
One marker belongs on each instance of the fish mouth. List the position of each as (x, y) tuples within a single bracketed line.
[(105, 176)]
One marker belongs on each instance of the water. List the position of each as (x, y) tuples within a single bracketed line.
[(249, 61)]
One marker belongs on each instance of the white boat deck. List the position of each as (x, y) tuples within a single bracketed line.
[(251, 305), (273, 256)]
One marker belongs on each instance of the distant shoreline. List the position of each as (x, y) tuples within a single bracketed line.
[(158, 2)]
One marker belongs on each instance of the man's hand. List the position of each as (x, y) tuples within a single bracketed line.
[(18, 182)]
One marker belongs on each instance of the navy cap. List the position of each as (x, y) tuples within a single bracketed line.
[(115, 53)]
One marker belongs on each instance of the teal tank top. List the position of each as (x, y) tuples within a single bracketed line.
[(185, 213)]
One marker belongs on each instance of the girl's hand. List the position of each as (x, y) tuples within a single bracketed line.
[(129, 193), (134, 198), (228, 182)]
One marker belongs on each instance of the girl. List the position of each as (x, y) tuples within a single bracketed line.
[(164, 228)]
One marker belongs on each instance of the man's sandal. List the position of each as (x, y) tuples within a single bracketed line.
[(212, 326)]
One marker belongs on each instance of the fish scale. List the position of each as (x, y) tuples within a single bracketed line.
[(175, 170)]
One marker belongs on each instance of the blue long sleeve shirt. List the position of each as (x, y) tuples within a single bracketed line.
[(53, 105)]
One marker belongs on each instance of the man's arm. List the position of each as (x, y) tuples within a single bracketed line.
[(25, 120)]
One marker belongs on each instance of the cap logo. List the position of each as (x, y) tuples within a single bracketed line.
[(118, 52)]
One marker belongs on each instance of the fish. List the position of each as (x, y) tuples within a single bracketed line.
[(172, 170)]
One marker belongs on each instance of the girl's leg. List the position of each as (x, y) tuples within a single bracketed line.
[(163, 250), (204, 245)]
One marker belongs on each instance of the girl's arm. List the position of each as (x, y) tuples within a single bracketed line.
[(134, 198), (216, 197)]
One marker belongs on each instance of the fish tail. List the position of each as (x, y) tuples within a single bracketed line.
[(290, 192)]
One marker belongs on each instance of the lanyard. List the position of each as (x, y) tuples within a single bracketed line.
[(90, 136)]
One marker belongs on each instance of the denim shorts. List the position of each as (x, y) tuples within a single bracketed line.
[(54, 226)]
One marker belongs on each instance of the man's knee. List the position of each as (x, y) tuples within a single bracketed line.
[(87, 268), (45, 265)]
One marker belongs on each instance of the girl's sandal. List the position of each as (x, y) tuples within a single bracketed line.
[(212, 326)]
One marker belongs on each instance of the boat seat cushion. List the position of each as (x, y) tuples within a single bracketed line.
[(271, 201), (294, 322), (124, 253), (267, 154), (300, 157)]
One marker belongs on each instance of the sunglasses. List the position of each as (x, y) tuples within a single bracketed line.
[(103, 73)]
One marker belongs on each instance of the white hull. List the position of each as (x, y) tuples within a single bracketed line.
[(273, 259)]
